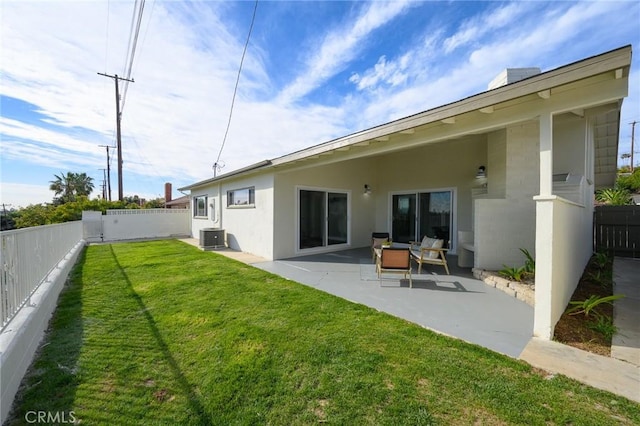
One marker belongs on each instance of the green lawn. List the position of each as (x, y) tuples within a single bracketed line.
[(163, 333)]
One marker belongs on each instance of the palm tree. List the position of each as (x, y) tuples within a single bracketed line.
[(83, 184), (67, 187)]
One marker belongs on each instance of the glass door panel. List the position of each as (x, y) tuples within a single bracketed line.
[(403, 213), (435, 215), (312, 219), (337, 218)]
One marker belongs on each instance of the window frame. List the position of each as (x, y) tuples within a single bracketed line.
[(197, 209), (251, 198)]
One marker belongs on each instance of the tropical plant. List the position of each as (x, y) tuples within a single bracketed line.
[(67, 187), (603, 325), (614, 196), (586, 306), (530, 263), (601, 259), (513, 273)]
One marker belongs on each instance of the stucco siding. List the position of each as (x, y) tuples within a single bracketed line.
[(502, 228), (564, 247), (437, 166), (349, 176), (248, 229)]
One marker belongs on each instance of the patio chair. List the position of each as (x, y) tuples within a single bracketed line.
[(377, 239), (429, 251), (394, 260)]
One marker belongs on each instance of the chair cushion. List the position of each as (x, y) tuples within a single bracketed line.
[(427, 242), (436, 244), (377, 242)]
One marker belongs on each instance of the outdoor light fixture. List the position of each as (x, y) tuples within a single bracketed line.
[(482, 172), (367, 189)]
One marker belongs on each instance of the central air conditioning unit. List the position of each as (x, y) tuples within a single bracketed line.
[(211, 238)]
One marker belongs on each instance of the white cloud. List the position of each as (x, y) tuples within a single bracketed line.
[(16, 195), (187, 62), (339, 46)]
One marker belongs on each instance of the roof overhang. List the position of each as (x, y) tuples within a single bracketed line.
[(244, 170), (496, 108)]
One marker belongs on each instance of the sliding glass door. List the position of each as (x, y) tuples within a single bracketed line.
[(415, 215), (323, 218)]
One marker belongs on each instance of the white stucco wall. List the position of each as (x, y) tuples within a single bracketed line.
[(430, 167), (564, 247), (504, 222), (349, 176), (250, 229), (118, 225)]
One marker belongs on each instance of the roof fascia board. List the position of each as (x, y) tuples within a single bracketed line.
[(250, 168), (602, 93), (606, 62)]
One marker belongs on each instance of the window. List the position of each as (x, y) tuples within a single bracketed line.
[(200, 206), (244, 197)]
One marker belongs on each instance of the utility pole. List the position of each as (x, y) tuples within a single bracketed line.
[(4, 221), (119, 144), (104, 184), (108, 170), (633, 130)]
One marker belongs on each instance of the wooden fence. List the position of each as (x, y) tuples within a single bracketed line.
[(617, 229)]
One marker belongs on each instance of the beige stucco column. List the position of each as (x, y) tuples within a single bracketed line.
[(542, 326)]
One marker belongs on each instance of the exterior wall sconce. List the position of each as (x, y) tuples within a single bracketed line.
[(482, 172), (367, 189)]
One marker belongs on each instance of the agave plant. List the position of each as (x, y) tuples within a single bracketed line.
[(614, 197)]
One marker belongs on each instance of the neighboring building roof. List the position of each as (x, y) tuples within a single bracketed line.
[(180, 201), (539, 85)]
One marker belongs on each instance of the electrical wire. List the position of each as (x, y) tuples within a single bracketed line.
[(235, 89), (131, 53)]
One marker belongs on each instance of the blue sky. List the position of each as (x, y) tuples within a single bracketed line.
[(313, 71)]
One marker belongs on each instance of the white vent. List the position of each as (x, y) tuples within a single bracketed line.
[(511, 75)]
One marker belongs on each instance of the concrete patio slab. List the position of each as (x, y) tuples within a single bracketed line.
[(457, 305)]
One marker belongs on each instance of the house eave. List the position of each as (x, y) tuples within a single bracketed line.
[(243, 170), (617, 61)]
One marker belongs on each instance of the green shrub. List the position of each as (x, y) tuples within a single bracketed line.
[(586, 306), (513, 273), (614, 197), (603, 325)]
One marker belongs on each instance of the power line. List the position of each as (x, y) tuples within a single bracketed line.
[(235, 89), (131, 52)]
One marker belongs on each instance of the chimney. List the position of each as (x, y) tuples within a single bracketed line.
[(167, 192), (511, 75)]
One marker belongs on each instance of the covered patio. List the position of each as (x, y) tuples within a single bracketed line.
[(457, 305)]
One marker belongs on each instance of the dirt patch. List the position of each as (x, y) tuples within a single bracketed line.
[(577, 330)]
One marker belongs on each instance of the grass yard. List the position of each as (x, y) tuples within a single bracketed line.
[(163, 333)]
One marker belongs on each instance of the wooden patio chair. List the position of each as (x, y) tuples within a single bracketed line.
[(394, 260), (377, 239), (429, 251)]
